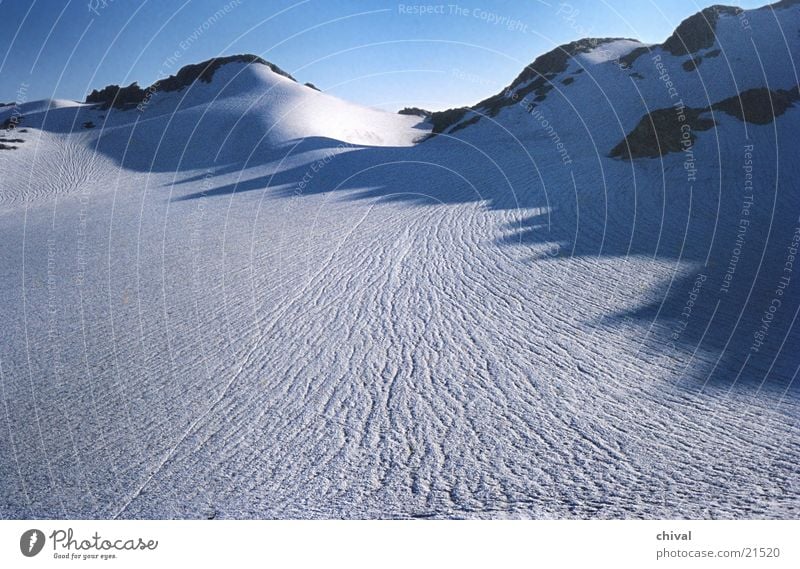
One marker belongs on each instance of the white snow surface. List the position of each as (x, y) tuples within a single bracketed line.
[(253, 300)]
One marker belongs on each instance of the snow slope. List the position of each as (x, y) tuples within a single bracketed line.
[(250, 299)]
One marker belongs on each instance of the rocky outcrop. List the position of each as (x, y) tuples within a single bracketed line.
[(663, 131), (660, 132), (759, 106), (414, 111), (443, 120), (117, 97)]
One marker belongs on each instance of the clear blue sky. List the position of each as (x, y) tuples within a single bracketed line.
[(369, 51)]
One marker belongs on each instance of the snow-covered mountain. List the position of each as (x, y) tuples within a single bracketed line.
[(239, 109), (232, 295)]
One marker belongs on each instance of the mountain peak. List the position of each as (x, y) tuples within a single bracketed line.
[(132, 95), (691, 43)]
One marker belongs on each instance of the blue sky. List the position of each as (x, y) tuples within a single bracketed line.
[(375, 52)]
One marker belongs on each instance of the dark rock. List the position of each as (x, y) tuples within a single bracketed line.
[(628, 59), (114, 96), (312, 86), (759, 106), (465, 124), (11, 122), (697, 31), (415, 111), (659, 133), (442, 120), (691, 64)]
